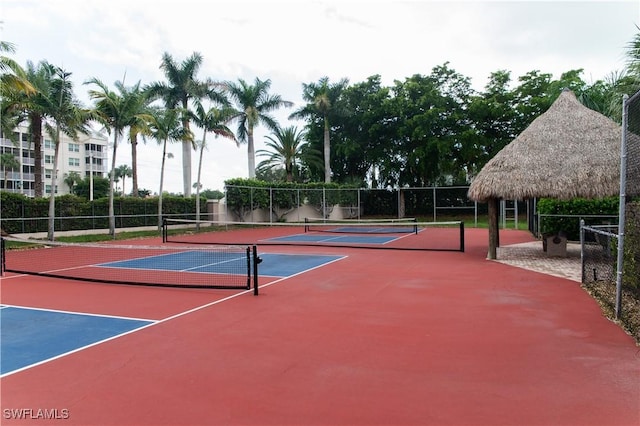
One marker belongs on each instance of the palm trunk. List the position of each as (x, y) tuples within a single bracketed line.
[(251, 154), (204, 141), (36, 135), (164, 156), (327, 152), (134, 163), (186, 168), (52, 196), (186, 156), (112, 216)]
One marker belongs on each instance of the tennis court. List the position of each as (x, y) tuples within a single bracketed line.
[(337, 335)]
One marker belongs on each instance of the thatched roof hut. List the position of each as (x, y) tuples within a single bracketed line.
[(569, 151)]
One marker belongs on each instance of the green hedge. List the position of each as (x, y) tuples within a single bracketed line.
[(21, 214), (631, 272), (574, 209)]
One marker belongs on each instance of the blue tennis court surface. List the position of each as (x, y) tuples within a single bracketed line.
[(30, 336), (274, 265), (285, 265), (193, 261), (353, 239)]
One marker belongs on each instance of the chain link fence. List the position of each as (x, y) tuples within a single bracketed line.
[(272, 204)]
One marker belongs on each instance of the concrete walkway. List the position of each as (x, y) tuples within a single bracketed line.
[(531, 256)]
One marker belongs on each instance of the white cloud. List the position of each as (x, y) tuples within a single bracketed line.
[(291, 42)]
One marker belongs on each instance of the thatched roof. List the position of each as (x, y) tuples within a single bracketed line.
[(569, 151)]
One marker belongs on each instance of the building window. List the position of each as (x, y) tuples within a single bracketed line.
[(48, 144), (74, 162), (48, 159), (74, 147), (48, 173)]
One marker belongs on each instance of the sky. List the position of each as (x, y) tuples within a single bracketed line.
[(296, 42)]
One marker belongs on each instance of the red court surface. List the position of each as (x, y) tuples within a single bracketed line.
[(381, 337)]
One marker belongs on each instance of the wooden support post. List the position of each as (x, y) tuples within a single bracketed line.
[(494, 238)]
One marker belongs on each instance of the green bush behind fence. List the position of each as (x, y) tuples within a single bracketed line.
[(21, 214)]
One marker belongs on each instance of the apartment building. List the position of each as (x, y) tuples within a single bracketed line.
[(87, 155)]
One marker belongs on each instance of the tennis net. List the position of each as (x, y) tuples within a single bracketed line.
[(363, 226), (220, 267), (373, 234)]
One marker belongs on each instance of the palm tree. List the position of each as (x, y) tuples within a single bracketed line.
[(12, 76), (140, 107), (63, 115), (115, 110), (8, 162), (215, 121), (36, 105), (181, 88), (288, 149), (123, 171), (72, 179), (322, 99), (14, 88), (254, 103), (164, 127)]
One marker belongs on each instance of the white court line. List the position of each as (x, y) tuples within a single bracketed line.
[(78, 349), (88, 314), (152, 322)]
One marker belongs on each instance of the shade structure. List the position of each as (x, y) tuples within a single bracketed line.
[(570, 151)]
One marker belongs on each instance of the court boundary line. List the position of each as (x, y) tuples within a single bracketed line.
[(88, 314), (151, 322), (78, 349)]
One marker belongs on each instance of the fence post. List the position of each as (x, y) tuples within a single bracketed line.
[(582, 250), (435, 204)]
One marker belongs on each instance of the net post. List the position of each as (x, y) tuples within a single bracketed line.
[(256, 260), (164, 230), (462, 236)]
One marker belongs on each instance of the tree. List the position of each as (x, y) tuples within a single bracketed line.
[(322, 101), (289, 150), (164, 127), (116, 111), (213, 121), (361, 139), (12, 76), (100, 187), (429, 125), (493, 115), (64, 114), (123, 171), (254, 103), (140, 109), (71, 179), (8, 162), (14, 87), (36, 106), (181, 88)]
